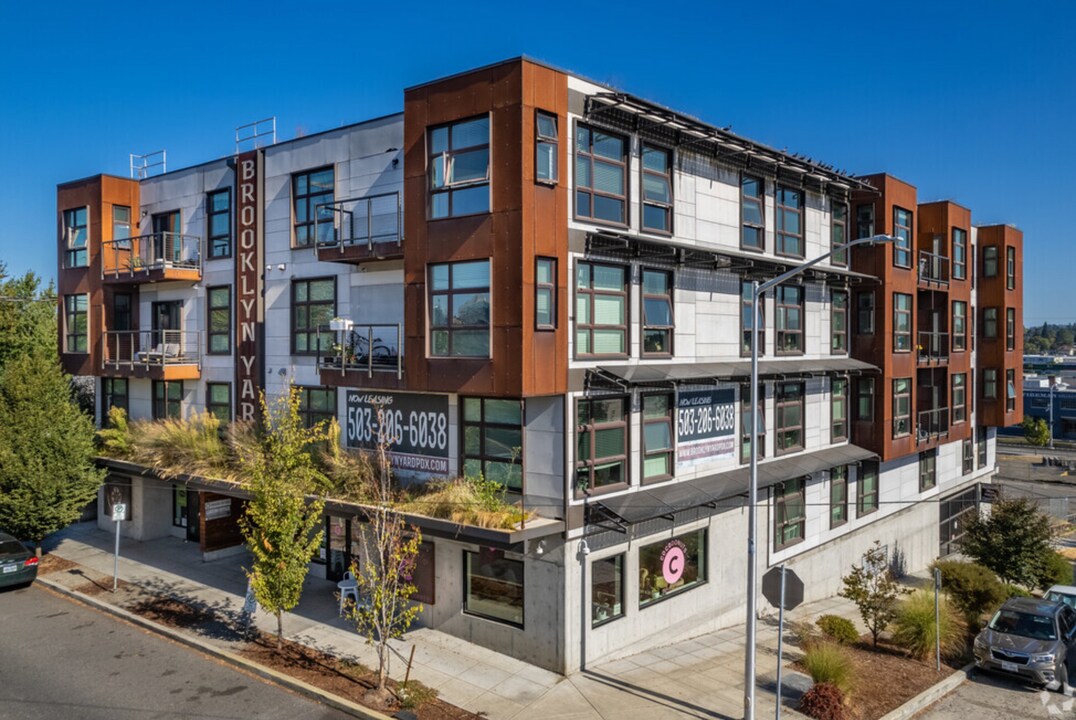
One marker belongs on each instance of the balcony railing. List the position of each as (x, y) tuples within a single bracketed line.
[(932, 424), (373, 221), (933, 268), (363, 348), (142, 255), (933, 346), (152, 348)]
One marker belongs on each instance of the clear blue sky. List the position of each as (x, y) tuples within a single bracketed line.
[(970, 101)]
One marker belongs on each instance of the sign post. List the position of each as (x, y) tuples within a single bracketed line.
[(937, 619), (119, 510), (784, 589)]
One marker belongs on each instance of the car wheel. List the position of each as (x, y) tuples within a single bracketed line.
[(1063, 676)]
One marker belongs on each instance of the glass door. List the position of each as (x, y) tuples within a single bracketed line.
[(338, 532)]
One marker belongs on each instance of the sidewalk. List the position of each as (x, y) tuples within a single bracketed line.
[(700, 677)]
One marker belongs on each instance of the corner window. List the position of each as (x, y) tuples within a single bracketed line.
[(76, 319), (669, 567), (606, 590), (838, 496), (928, 470), (960, 254), (459, 309), (1010, 328), (219, 332), (789, 320), (789, 512), (316, 405), (745, 423), (865, 312), (990, 384), (601, 309), (752, 216), (838, 234), (658, 319), (545, 151), (960, 325), (493, 441), (902, 322), (494, 586), (902, 230), (1010, 267), (218, 401), (789, 222), (659, 441), (789, 408), (601, 176), (218, 211), (839, 410), (167, 400), (990, 261), (960, 397), (990, 322), (312, 193), (545, 293), (313, 305), (902, 407), (76, 234), (459, 168), (746, 307), (865, 399), (601, 433), (657, 189), (838, 322), (867, 490)]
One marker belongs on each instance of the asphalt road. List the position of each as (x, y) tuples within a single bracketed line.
[(60, 659), (989, 697)]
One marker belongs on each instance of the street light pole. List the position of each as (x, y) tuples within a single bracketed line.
[(758, 290)]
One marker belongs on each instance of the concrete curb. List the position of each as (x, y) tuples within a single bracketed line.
[(930, 696), (326, 698)]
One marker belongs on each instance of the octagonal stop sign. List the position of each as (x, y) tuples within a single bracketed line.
[(771, 588)]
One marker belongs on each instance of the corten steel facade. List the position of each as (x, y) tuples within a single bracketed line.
[(543, 281)]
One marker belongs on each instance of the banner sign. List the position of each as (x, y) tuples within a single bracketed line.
[(247, 286), (705, 426), (414, 427)]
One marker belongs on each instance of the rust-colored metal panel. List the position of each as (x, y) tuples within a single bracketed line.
[(992, 352)]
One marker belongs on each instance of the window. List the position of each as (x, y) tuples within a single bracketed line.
[(1010, 267), (494, 586), (960, 325), (928, 470), (789, 418), (838, 410), (313, 305), (960, 397), (76, 319), (980, 439), (493, 441), (606, 590), (601, 176), (990, 384), (316, 405), (179, 505), (658, 439), (960, 254), (838, 323), (902, 407), (746, 306), (838, 496), (867, 491), (990, 322), (745, 423), (658, 319), (902, 230), (865, 399), (218, 212), (1010, 390), (218, 401), (789, 320), (308, 191), (545, 152), (968, 456), (671, 566), (789, 513), (219, 333), (545, 293), (114, 393), (865, 312), (990, 261), (459, 309), (459, 168), (167, 400), (601, 443), (789, 222), (864, 221), (752, 216), (76, 234), (838, 233), (902, 322), (601, 309), (121, 222), (1040, 403), (1010, 328), (657, 189)]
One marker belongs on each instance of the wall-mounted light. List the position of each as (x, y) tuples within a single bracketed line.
[(281, 267)]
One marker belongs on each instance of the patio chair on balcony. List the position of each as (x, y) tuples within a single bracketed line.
[(161, 354)]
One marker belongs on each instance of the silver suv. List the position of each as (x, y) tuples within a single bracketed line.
[(1030, 638)]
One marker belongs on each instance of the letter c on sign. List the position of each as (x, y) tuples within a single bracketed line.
[(672, 568)]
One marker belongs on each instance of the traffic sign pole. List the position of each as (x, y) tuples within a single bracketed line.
[(118, 511)]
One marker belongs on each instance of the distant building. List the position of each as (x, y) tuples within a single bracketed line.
[(1038, 398)]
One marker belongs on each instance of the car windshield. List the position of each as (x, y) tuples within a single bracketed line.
[(1060, 597), (11, 547), (1012, 622)]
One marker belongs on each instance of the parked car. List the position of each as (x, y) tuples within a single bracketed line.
[(1032, 639), (1062, 594), (18, 565)]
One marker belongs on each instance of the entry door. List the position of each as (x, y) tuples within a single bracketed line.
[(338, 532), (194, 505), (166, 318), (935, 333), (166, 244)]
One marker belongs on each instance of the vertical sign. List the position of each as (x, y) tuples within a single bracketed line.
[(247, 285)]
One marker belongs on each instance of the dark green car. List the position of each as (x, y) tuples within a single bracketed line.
[(18, 565)]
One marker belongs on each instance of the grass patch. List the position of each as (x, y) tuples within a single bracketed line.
[(828, 662), (465, 501), (915, 628)]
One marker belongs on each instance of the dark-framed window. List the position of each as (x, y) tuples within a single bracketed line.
[(864, 221), (960, 325), (601, 309), (902, 230), (968, 456), (659, 322), (1010, 267), (601, 176), (545, 293), (839, 409), (790, 423), (1010, 390), (179, 505), (219, 327), (115, 392), (493, 440), (980, 440), (659, 437), (838, 496), (838, 233), (928, 469), (745, 422), (902, 322), (867, 488), (316, 404), (657, 189), (309, 190), (838, 322), (865, 312), (121, 222), (76, 323), (546, 138), (493, 586), (218, 401), (990, 322), (789, 512), (1010, 328), (752, 213), (990, 384), (789, 310), (167, 399), (218, 222), (902, 407), (460, 309), (746, 306), (601, 433), (313, 305), (789, 221), (990, 261), (960, 397), (960, 254), (865, 399), (459, 168), (76, 229), (606, 590), (671, 566)]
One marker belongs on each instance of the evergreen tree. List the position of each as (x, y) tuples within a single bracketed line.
[(27, 316), (1013, 540)]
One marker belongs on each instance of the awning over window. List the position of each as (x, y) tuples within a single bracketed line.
[(652, 374)]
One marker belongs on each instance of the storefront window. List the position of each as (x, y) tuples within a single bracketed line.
[(179, 506), (671, 566), (606, 589), (494, 586)]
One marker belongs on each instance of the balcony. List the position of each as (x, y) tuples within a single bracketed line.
[(933, 269), (154, 354), (361, 229), (931, 425), (933, 348), (157, 257), (361, 355)]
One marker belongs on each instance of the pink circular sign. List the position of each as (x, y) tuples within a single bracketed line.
[(672, 564)]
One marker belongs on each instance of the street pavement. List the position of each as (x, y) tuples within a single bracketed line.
[(989, 697)]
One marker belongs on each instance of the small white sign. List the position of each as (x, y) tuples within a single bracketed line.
[(119, 511)]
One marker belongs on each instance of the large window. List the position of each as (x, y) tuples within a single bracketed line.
[(960, 325), (745, 422), (789, 408), (789, 222), (990, 261), (789, 513), (545, 149), (459, 168), (606, 589), (76, 317), (1010, 328), (865, 399), (746, 308), (960, 397), (114, 393), (990, 322), (659, 440), (658, 318), (838, 233), (1010, 267), (219, 332), (990, 384), (838, 496), (839, 410), (601, 432), (313, 305), (316, 404), (838, 324), (494, 586), (167, 400), (902, 230), (545, 293), (218, 401), (601, 309), (76, 233), (308, 191), (752, 215), (865, 312), (657, 189), (928, 470), (601, 176), (902, 322), (671, 566), (867, 489), (789, 320), (493, 441), (218, 212), (960, 254), (902, 407), (459, 309)]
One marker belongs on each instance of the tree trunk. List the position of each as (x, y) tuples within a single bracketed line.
[(279, 629), (382, 665)]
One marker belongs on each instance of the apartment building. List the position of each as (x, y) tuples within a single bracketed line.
[(547, 281)]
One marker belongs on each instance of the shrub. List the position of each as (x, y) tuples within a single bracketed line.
[(972, 588), (1012, 591), (874, 590), (115, 439), (824, 701), (827, 662), (838, 628), (1055, 570), (915, 628), (462, 501)]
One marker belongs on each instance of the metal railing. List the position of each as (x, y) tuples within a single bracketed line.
[(152, 348), (933, 346), (145, 253), (933, 267), (369, 348), (370, 220), (932, 423)]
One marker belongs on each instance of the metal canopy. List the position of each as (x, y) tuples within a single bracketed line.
[(678, 373)]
